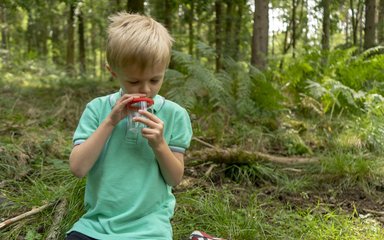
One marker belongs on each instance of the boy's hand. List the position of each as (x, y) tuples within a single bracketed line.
[(120, 110), (154, 130)]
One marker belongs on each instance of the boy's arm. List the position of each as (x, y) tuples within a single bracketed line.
[(84, 155), (171, 163)]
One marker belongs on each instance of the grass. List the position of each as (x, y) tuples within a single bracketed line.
[(219, 211), (324, 200)]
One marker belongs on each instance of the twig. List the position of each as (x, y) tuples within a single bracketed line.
[(203, 142), (24, 215), (293, 170), (54, 231), (208, 172), (373, 211)]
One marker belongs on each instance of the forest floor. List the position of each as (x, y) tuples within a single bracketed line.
[(340, 196)]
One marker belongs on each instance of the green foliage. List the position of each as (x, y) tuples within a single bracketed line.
[(238, 215), (291, 142), (349, 170), (239, 92), (253, 173), (363, 71), (336, 96)]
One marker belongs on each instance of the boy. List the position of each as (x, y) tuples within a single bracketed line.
[(129, 176)]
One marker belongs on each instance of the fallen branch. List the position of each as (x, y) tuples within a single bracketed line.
[(24, 215), (381, 213), (54, 230), (238, 156)]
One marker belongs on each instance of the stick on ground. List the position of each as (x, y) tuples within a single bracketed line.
[(24, 215)]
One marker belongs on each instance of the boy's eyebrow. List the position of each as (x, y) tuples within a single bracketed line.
[(137, 79)]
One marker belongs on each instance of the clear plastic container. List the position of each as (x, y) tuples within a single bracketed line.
[(137, 104)]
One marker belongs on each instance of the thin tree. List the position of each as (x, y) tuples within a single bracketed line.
[(168, 14), (135, 6), (356, 14), (326, 26), (238, 27), (229, 25), (380, 27), (370, 24), (190, 27), (3, 23), (294, 28), (260, 34), (70, 59), (218, 37), (80, 29)]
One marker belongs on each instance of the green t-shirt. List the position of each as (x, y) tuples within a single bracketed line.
[(126, 196)]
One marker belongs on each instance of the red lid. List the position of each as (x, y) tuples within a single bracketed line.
[(140, 99)]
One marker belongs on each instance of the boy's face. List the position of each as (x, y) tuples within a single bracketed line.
[(134, 80)]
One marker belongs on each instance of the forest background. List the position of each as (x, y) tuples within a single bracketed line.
[(285, 97)]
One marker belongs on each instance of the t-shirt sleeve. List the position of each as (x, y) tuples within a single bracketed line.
[(89, 122), (181, 133)]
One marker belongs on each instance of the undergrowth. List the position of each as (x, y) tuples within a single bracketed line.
[(239, 108)]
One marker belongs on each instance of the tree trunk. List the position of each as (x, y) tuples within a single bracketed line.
[(190, 28), (229, 19), (3, 23), (260, 34), (168, 13), (135, 6), (326, 26), (56, 43), (116, 5), (80, 29), (238, 27), (70, 61), (294, 6), (380, 27), (305, 22), (347, 27), (370, 24), (355, 19), (361, 28), (218, 37)]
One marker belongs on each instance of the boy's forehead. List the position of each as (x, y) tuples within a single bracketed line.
[(133, 71)]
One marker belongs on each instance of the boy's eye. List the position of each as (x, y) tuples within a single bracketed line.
[(134, 82), (155, 80)]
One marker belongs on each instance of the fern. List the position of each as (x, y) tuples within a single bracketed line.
[(239, 92), (199, 80), (372, 52), (334, 94)]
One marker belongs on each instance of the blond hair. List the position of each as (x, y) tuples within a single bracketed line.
[(138, 40)]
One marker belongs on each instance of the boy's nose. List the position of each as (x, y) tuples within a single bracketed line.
[(145, 89)]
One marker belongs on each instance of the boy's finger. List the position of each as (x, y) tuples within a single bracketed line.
[(150, 116), (149, 123)]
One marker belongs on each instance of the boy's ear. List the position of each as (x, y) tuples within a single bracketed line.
[(110, 70)]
